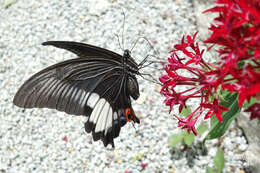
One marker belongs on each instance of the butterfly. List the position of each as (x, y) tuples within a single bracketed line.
[(98, 84)]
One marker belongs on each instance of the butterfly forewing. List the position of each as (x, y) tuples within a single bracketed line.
[(83, 50), (94, 85)]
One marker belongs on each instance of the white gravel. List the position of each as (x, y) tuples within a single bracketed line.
[(32, 140)]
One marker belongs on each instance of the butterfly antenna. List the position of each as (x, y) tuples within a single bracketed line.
[(118, 40), (122, 47), (154, 50), (140, 65), (135, 43), (150, 44), (123, 31)]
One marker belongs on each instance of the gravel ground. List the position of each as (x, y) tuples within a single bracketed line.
[(44, 140)]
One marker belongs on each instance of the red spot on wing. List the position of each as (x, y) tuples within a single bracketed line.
[(130, 115)]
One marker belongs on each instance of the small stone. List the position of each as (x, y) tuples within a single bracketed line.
[(119, 161), (141, 98), (158, 88), (70, 149), (172, 170), (242, 147)]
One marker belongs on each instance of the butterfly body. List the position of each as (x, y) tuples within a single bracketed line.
[(98, 84)]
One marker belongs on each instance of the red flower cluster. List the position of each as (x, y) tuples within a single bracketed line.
[(200, 84), (237, 31)]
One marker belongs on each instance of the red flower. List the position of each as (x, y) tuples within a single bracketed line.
[(255, 111), (246, 84), (143, 165), (214, 108), (188, 123), (65, 138)]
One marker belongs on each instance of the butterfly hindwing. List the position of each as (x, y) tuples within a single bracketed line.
[(108, 115)]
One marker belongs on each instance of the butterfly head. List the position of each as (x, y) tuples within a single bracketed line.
[(127, 53)]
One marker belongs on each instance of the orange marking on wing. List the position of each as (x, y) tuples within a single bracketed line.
[(129, 111)]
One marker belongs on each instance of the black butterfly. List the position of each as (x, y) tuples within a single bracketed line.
[(97, 84)]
